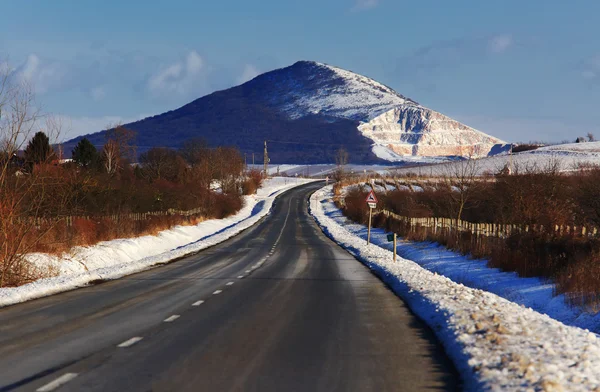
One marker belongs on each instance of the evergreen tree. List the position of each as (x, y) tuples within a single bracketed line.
[(85, 154), (39, 150)]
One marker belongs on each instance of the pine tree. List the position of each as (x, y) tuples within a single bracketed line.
[(39, 150), (85, 154)]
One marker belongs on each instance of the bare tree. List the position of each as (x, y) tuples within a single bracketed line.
[(111, 159), (462, 182), (119, 149), (341, 160), (591, 137), (162, 163), (22, 193)]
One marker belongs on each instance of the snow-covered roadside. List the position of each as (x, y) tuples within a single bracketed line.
[(117, 258), (535, 293), (495, 344)]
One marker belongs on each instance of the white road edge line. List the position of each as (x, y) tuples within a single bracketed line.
[(65, 378), (198, 303), (171, 319), (217, 292), (229, 284), (130, 342)]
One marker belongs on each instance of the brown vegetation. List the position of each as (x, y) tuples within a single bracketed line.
[(541, 197), (39, 194)]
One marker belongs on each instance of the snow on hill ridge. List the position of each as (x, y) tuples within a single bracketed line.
[(341, 93), (397, 125)]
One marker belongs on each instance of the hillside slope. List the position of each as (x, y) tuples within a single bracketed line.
[(306, 112)]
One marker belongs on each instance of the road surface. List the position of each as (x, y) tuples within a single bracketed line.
[(279, 307)]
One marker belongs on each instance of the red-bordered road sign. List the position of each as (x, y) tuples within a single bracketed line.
[(371, 198)]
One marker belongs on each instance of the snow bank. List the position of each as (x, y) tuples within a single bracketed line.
[(117, 258), (496, 344)]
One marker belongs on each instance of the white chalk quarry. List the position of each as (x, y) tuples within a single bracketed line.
[(398, 126)]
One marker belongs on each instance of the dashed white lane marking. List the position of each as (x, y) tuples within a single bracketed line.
[(130, 342), (198, 303), (229, 284), (65, 378), (247, 271), (241, 277), (171, 319), (217, 292)]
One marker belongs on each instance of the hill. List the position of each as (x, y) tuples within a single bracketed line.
[(307, 111)]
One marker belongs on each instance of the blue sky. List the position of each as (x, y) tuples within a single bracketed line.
[(517, 70)]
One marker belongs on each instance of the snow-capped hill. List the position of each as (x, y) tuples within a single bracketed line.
[(398, 126), (336, 92), (306, 112)]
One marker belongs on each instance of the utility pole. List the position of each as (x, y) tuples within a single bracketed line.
[(266, 161), (252, 161), (246, 161)]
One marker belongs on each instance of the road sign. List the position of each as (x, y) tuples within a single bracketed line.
[(372, 205), (372, 198), (390, 237)]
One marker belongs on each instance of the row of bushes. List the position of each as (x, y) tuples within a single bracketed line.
[(99, 184), (572, 263)]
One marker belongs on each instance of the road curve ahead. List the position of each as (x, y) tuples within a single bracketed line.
[(279, 307)]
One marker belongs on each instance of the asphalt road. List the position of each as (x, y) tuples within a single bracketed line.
[(309, 318)]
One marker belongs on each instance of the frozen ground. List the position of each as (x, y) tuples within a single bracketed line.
[(117, 258), (495, 343), (568, 157)]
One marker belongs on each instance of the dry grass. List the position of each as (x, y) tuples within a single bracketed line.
[(572, 263)]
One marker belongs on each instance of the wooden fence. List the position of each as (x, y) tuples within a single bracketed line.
[(496, 230), (489, 229), (139, 216)]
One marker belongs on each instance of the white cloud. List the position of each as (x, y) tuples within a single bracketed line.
[(76, 126), (249, 73), (178, 78), (98, 93), (500, 43), (360, 5), (590, 68), (587, 74), (42, 76)]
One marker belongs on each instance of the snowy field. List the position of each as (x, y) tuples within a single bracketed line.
[(568, 156), (117, 258), (321, 170), (495, 343)]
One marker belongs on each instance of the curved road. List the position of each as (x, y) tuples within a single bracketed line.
[(279, 307)]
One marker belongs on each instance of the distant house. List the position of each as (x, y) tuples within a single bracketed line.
[(580, 139)]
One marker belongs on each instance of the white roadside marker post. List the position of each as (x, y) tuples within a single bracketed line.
[(390, 238)]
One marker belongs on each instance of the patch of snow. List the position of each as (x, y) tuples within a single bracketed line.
[(568, 159), (588, 147), (495, 344), (346, 95), (117, 258)]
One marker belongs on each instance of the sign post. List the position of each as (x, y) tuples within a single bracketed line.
[(372, 202)]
